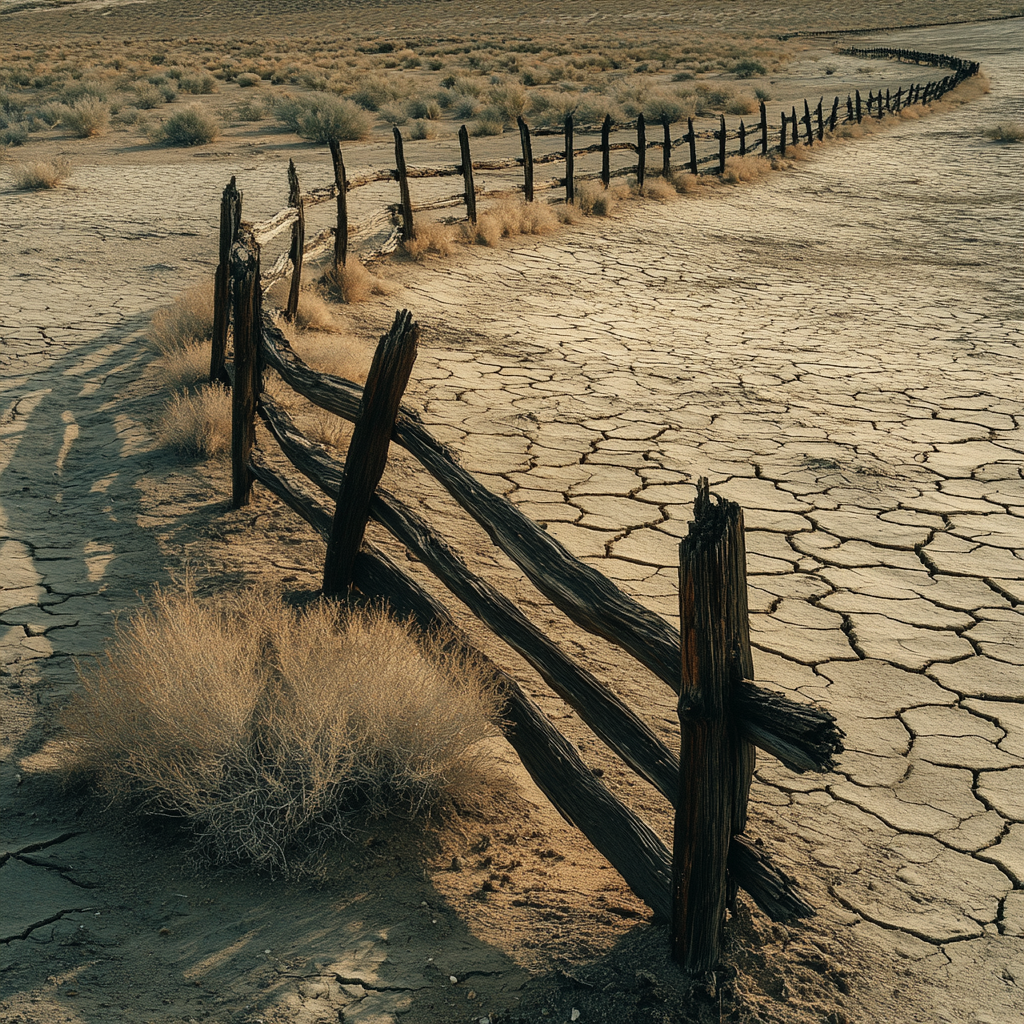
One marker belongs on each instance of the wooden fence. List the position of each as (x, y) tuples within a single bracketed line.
[(723, 713), (806, 126)]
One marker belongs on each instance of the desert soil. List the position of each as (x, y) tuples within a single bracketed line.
[(837, 347)]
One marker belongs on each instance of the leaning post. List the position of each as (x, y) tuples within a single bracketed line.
[(298, 241), (341, 186), (408, 230), (230, 218), (467, 174), (248, 316), (527, 144), (716, 765), (368, 450)]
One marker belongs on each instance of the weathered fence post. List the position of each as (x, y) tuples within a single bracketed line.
[(570, 162), (764, 129), (691, 138), (821, 121), (527, 144), (341, 228), (666, 147), (606, 153), (858, 110), (230, 218), (782, 136), (796, 128), (833, 118), (807, 125), (298, 241), (467, 174), (368, 449), (408, 230), (717, 763), (743, 139), (641, 150), (247, 301), (721, 143)]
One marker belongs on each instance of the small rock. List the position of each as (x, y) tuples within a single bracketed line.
[(471, 994), (453, 979)]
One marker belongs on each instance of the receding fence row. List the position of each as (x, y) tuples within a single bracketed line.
[(724, 715), (759, 137)]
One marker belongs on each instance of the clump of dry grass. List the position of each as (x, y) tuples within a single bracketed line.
[(197, 424), (267, 730), (657, 188), (41, 174), (327, 429), (594, 200), (508, 218), (337, 354), (689, 184), (352, 282), (186, 321), (182, 367), (745, 168), (432, 237)]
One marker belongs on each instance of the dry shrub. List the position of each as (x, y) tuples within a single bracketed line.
[(186, 321), (569, 214), (352, 282), (745, 168), (182, 367), (337, 354), (268, 730), (87, 118), (198, 424), (432, 237), (798, 154), (593, 200), (325, 428), (314, 312), (689, 184), (655, 188), (41, 174), (910, 113), (511, 217)]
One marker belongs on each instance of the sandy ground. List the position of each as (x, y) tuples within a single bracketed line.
[(838, 347)]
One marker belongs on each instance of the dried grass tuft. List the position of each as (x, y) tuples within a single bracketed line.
[(182, 367), (198, 424), (325, 428), (432, 238), (745, 168), (352, 282), (41, 174), (186, 321), (269, 731), (655, 188), (337, 354)]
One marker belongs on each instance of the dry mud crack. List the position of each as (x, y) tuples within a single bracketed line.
[(838, 348)]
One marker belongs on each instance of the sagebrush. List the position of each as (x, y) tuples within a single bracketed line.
[(268, 730)]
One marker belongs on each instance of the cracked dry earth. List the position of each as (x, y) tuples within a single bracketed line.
[(838, 348)]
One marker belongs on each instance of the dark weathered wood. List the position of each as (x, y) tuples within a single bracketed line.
[(857, 107), (796, 127), (714, 761), (368, 449), (247, 302), (721, 135), (764, 129), (833, 118), (570, 161), (782, 135), (691, 140), (666, 148), (776, 893), (230, 218), (806, 121), (408, 229), (467, 174), (743, 139), (527, 145), (298, 241), (606, 133), (609, 717), (341, 227), (821, 120), (641, 150)]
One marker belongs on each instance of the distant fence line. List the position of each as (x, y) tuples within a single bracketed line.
[(796, 127)]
